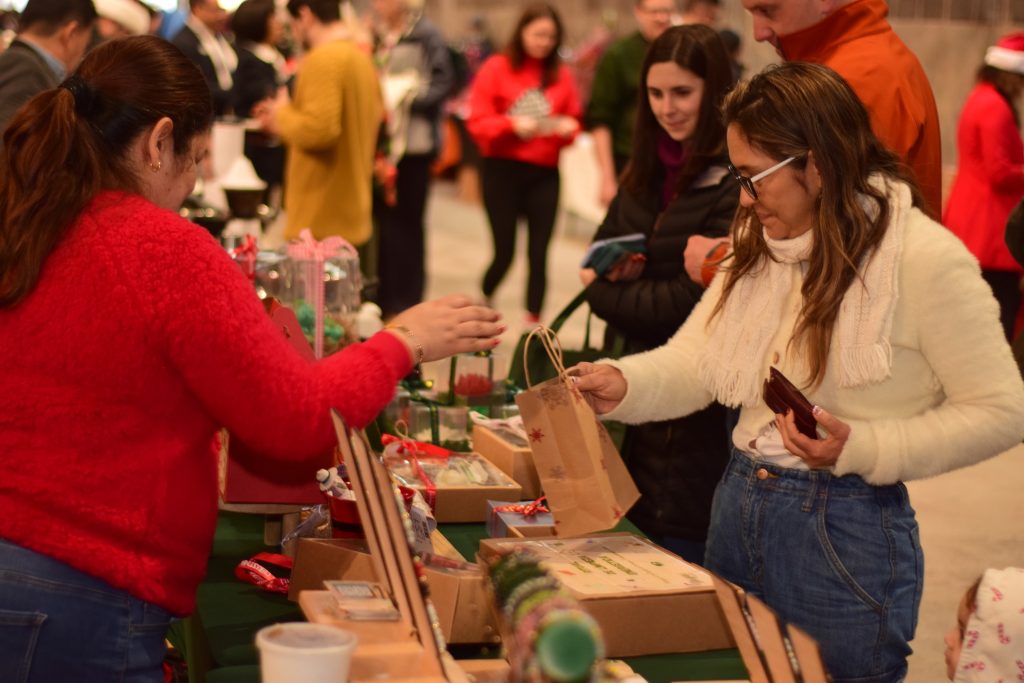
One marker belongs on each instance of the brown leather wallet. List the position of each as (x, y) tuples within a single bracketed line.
[(782, 396)]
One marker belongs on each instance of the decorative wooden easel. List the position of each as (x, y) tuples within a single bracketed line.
[(772, 653), (408, 650)]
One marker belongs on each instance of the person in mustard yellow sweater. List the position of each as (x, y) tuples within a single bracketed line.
[(330, 128)]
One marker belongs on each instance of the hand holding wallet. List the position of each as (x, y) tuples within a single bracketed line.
[(782, 396)]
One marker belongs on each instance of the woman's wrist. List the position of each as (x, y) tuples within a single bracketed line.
[(411, 341)]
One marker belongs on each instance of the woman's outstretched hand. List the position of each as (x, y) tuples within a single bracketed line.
[(604, 385), (446, 326), (817, 453)]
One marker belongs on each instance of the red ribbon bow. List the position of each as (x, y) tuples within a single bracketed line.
[(249, 250), (525, 509), (414, 449)]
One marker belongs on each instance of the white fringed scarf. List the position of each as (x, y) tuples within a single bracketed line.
[(731, 365)]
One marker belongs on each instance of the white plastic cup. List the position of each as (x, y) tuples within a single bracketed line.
[(300, 652)]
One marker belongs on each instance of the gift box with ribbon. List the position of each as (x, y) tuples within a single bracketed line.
[(457, 486), (525, 519), (324, 287)]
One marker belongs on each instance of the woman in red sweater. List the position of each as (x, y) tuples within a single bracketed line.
[(990, 177), (523, 110), (130, 338)]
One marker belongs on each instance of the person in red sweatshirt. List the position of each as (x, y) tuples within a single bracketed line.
[(990, 176), (129, 338), (524, 109)]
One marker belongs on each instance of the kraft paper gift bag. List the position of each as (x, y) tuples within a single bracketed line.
[(586, 483)]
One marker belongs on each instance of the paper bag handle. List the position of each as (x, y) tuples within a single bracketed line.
[(552, 346)]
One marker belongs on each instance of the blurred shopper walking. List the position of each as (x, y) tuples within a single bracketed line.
[(524, 109), (416, 78), (330, 128), (990, 175)]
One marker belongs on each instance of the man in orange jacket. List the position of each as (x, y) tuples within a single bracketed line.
[(853, 38)]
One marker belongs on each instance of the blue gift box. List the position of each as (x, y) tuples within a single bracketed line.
[(500, 523)]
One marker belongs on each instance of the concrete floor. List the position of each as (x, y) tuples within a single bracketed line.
[(970, 519)]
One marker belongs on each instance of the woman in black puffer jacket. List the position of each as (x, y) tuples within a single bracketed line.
[(676, 185)]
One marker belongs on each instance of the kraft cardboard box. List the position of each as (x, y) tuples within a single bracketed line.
[(646, 600), (458, 595), (509, 454), (469, 503)]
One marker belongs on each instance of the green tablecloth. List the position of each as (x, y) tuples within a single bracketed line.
[(219, 636)]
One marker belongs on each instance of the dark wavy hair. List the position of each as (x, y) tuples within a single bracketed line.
[(67, 144), (700, 50), (795, 110), (515, 51)]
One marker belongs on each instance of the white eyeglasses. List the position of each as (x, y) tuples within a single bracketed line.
[(747, 182)]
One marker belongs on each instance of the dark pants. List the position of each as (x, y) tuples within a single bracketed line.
[(400, 265), (1005, 286), (512, 189)]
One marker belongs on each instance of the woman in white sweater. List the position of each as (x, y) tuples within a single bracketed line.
[(880, 316)]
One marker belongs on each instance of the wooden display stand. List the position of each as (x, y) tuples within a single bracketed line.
[(408, 650), (772, 653)]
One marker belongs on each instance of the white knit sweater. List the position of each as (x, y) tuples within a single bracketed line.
[(954, 396)]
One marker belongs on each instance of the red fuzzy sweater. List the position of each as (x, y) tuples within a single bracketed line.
[(140, 340)]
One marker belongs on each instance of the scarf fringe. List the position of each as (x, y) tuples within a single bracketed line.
[(730, 387), (867, 364)]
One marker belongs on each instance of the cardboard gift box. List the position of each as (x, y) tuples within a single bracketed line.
[(458, 594), (505, 520), (441, 476), (646, 600), (511, 455)]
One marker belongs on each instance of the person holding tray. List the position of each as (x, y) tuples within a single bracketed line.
[(840, 282), (130, 337), (676, 184)]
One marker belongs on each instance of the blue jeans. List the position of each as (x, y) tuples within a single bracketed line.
[(833, 555), (58, 624)]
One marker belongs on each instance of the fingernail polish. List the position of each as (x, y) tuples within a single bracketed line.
[(816, 410)]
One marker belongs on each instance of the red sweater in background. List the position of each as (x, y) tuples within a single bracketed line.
[(140, 340), (858, 43), (496, 87)]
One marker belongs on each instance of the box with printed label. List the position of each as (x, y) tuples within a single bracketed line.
[(647, 600)]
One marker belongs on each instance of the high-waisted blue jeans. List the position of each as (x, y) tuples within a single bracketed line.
[(835, 556), (58, 624)]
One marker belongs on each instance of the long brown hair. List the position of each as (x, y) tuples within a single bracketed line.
[(67, 144), (515, 51), (698, 49), (791, 110)]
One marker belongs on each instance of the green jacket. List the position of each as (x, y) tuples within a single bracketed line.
[(613, 97)]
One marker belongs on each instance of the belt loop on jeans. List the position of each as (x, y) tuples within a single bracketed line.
[(818, 486)]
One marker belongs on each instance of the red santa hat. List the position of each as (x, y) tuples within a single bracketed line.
[(1007, 54)]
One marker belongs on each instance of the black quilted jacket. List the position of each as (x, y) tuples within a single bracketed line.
[(677, 463)]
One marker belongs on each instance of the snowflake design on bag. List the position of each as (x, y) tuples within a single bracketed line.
[(997, 594), (536, 435), (554, 395), (1003, 638), (557, 473)]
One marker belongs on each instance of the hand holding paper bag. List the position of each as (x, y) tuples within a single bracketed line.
[(581, 472), (603, 385)]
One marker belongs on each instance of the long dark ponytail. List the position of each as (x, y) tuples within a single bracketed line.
[(67, 144)]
